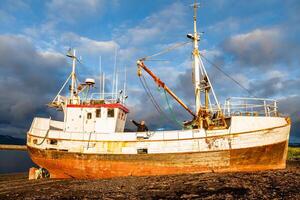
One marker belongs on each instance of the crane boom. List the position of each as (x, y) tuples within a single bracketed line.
[(160, 83)]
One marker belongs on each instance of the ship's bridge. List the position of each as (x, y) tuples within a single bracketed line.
[(101, 112)]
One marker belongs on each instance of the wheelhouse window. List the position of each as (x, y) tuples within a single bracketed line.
[(110, 112), (98, 113), (89, 116)]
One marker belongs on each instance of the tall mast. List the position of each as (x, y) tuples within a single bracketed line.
[(196, 62), (73, 76)]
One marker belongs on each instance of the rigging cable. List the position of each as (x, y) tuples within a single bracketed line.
[(226, 74), (167, 50), (154, 102), (148, 92), (173, 115)]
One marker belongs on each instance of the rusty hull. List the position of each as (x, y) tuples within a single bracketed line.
[(62, 164)]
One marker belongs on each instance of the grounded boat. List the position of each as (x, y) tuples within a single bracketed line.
[(245, 134)]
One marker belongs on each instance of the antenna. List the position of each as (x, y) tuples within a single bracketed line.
[(125, 79), (100, 78), (116, 91), (115, 72), (115, 69), (103, 85)]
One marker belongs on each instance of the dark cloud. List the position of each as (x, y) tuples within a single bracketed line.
[(261, 47), (185, 88), (275, 86), (28, 80), (290, 106), (265, 47), (253, 48)]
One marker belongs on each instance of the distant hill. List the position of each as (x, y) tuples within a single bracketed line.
[(5, 139), (294, 144)]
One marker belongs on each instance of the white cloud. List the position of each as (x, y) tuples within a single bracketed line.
[(276, 74), (73, 10), (229, 25), (264, 37), (89, 46), (155, 26)]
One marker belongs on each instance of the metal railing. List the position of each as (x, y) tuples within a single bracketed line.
[(107, 97), (250, 107)]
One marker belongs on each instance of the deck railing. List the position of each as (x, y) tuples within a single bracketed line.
[(250, 107), (107, 97)]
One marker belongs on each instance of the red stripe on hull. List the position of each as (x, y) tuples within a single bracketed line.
[(76, 165)]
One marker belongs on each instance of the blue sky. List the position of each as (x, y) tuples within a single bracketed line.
[(256, 42)]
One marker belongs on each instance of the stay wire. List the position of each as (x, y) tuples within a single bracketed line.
[(154, 102), (167, 50), (148, 92), (226, 74)]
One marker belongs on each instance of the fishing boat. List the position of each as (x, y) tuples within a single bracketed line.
[(243, 134)]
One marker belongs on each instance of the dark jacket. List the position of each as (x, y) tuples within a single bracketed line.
[(140, 127)]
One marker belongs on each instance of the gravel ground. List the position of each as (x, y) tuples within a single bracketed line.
[(279, 184)]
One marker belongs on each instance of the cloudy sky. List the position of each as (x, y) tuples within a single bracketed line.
[(256, 42)]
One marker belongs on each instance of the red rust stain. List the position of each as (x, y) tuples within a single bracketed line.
[(75, 165)]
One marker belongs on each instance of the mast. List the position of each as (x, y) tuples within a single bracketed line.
[(73, 75), (196, 62), (205, 116), (202, 84)]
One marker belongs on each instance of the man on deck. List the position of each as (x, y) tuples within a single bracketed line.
[(141, 127)]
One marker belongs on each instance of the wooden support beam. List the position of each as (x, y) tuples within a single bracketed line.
[(13, 147)]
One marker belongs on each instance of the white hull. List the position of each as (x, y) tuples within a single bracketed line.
[(244, 132)]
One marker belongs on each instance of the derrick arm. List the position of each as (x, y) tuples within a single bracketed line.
[(160, 83)]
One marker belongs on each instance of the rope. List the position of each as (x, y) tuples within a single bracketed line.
[(173, 115), (167, 50), (149, 94), (226, 74), (154, 102), (43, 138)]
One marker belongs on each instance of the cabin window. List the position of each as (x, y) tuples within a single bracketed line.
[(89, 115), (98, 113), (110, 112)]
